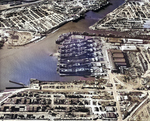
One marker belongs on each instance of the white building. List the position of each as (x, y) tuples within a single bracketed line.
[(145, 0), (134, 41), (128, 48)]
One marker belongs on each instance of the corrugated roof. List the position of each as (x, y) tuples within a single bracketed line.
[(115, 55)]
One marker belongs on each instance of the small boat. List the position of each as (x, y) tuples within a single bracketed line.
[(51, 55)]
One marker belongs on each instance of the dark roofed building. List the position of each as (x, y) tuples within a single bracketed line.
[(122, 60), (121, 64), (118, 55), (118, 60), (115, 51)]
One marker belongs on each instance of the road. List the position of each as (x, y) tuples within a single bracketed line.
[(115, 94)]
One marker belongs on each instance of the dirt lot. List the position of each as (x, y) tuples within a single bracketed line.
[(19, 38)]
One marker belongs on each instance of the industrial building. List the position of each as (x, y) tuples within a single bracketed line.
[(128, 48), (133, 41), (117, 60)]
